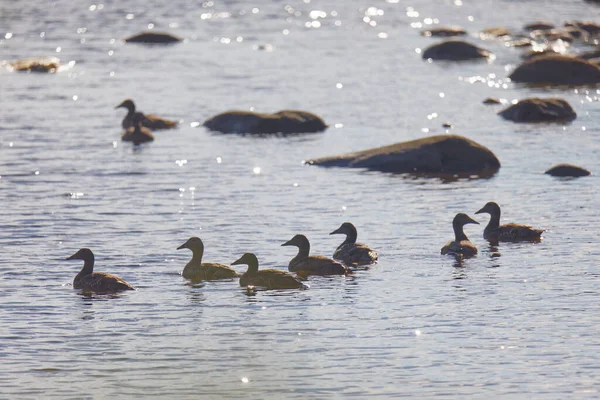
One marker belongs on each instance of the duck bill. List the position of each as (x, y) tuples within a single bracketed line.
[(237, 262), (472, 221), (336, 231), (183, 246), (288, 243), (481, 211), (71, 257)]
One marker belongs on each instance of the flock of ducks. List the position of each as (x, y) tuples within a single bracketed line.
[(138, 126), (348, 256)]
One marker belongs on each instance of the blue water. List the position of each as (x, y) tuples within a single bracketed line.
[(517, 321)]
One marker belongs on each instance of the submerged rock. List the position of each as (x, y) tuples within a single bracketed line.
[(589, 55), (591, 28), (37, 64), (491, 101), (455, 50), (283, 122), (539, 110), (444, 32), (567, 170), (153, 38), (537, 26), (556, 70), (444, 155), (496, 32)]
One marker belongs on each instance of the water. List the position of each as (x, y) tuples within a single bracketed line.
[(520, 320)]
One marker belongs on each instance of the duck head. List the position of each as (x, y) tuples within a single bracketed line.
[(82, 254), (299, 241), (462, 219), (246, 259), (490, 208), (128, 104), (347, 228), (194, 243)]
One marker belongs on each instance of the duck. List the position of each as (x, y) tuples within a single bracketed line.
[(350, 252), (100, 282), (149, 121), (305, 265), (137, 133), (196, 270), (494, 232), (267, 278), (461, 245)]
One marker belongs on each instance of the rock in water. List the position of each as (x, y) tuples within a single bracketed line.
[(444, 155), (556, 71), (539, 110), (153, 38), (567, 170), (455, 50), (283, 122)]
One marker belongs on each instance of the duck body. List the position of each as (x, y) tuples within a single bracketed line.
[(304, 264), (350, 252), (196, 270), (494, 232), (461, 246), (149, 121), (100, 282), (267, 278)]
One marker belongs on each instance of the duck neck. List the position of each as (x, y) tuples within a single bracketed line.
[(88, 266), (252, 267), (494, 221), (303, 251), (350, 237), (196, 256), (459, 234)]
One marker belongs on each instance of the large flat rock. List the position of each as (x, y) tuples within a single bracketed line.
[(539, 110), (444, 155), (556, 71), (283, 122)]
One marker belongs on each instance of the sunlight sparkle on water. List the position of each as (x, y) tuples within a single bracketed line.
[(245, 379), (418, 332), (256, 170), (195, 124)]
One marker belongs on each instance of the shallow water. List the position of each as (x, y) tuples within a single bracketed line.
[(520, 320)]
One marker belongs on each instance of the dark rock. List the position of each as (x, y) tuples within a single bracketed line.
[(38, 64), (153, 38), (539, 110), (447, 125), (536, 26), (444, 155), (556, 70), (455, 50), (567, 170), (591, 28), (444, 32), (283, 122), (495, 32), (520, 42), (491, 100), (588, 55), (543, 53)]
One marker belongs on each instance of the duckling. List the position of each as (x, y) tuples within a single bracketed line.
[(350, 252), (137, 134), (494, 232), (305, 265), (100, 282), (461, 246), (268, 278), (196, 270), (149, 121)]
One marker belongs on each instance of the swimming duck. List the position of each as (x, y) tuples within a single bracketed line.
[(149, 121), (350, 252), (305, 265), (101, 282), (494, 232), (268, 278), (137, 133), (461, 246), (196, 270)]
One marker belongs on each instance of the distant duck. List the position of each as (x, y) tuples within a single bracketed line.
[(305, 265), (100, 282), (196, 270), (149, 121), (350, 252), (494, 232), (137, 133), (461, 246), (267, 278)]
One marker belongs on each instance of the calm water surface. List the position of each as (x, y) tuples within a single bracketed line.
[(517, 321)]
